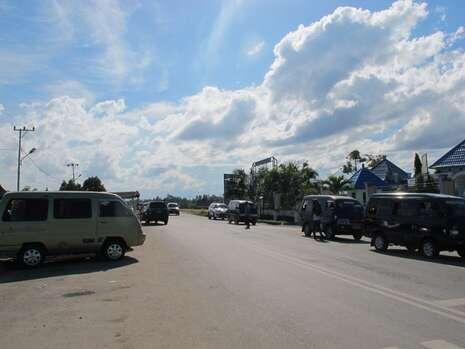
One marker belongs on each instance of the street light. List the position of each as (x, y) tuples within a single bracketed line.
[(20, 162)]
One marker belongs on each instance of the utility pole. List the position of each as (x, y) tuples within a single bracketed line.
[(21, 131), (73, 165)]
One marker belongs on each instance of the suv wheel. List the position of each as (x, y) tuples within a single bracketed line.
[(380, 243), (429, 249), (31, 256), (114, 250), (209, 217), (461, 252), (357, 235)]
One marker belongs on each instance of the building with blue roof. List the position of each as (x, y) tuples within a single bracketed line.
[(450, 171), (363, 183), (390, 172)]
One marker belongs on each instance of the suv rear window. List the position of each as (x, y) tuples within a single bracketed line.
[(72, 208), (26, 210), (157, 205)]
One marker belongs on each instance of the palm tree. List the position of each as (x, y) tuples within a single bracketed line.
[(336, 183)]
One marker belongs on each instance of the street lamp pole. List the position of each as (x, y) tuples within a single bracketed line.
[(21, 130)]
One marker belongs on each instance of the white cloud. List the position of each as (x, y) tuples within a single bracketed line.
[(256, 49), (70, 88), (2, 109), (354, 79)]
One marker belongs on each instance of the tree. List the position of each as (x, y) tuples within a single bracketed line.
[(93, 184), (336, 183), (353, 158), (373, 159), (69, 186)]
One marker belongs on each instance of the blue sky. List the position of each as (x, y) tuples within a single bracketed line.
[(186, 90)]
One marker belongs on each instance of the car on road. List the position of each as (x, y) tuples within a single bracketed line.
[(34, 225), (156, 211), (430, 223), (173, 208), (217, 210), (237, 211), (341, 215)]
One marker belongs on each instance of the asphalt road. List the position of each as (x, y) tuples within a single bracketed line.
[(207, 284)]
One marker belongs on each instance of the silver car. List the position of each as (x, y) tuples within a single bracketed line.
[(217, 210)]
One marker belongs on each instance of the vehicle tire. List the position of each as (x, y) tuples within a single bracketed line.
[(209, 217), (229, 220), (114, 250), (429, 249), (165, 221), (236, 221), (222, 218), (461, 252), (31, 256), (357, 235), (380, 243), (254, 222), (329, 232), (214, 217)]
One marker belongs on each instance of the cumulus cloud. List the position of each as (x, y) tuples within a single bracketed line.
[(353, 79)]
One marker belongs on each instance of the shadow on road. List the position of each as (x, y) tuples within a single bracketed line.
[(441, 259), (11, 272), (349, 240), (318, 239)]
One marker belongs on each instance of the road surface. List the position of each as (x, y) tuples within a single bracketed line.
[(207, 284)]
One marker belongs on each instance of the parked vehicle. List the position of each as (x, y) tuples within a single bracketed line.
[(341, 215), (173, 208), (237, 211), (217, 210), (156, 211), (429, 222), (37, 224)]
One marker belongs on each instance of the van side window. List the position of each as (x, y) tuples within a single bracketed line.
[(112, 209), (72, 208), (26, 210), (406, 208), (384, 208)]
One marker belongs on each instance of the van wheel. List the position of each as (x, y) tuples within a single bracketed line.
[(357, 236), (429, 249), (380, 243), (461, 252), (31, 256), (114, 250)]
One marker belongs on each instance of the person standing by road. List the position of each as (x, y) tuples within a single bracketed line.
[(316, 212)]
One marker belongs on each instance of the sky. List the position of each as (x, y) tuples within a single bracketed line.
[(166, 96)]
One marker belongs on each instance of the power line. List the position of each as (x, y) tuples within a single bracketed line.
[(43, 171)]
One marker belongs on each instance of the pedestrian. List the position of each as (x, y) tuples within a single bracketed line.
[(316, 211), (247, 215)]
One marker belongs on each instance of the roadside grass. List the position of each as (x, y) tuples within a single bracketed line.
[(197, 211), (204, 213)]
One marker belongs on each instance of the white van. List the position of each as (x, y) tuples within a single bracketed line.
[(36, 224)]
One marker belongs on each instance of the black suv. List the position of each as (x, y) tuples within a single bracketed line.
[(237, 211), (156, 211), (428, 222), (340, 215)]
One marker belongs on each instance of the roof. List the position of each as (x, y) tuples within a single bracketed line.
[(454, 157), (332, 197), (128, 194), (44, 194), (417, 195), (2, 190), (385, 169), (364, 177)]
